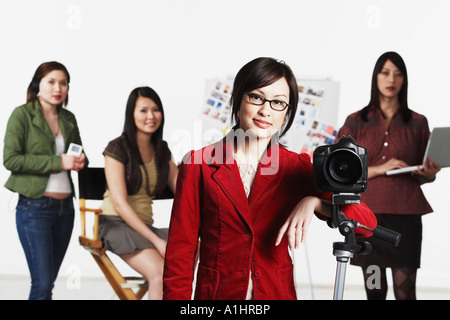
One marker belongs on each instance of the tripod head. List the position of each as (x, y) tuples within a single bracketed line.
[(347, 226), (343, 251)]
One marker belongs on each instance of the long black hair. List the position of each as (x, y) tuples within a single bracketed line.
[(397, 60), (260, 73), (162, 152)]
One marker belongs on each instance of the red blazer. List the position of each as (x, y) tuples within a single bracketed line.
[(237, 234)]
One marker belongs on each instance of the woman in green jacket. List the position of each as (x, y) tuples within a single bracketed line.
[(37, 137)]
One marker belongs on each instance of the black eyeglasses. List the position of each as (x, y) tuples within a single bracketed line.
[(256, 99)]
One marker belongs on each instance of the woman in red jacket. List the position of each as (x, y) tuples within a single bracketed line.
[(241, 195)]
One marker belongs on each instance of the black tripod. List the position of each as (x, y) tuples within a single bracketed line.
[(344, 251)]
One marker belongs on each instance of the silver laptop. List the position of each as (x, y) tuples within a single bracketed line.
[(438, 149)]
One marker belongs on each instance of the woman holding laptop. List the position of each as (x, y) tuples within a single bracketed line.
[(395, 137)]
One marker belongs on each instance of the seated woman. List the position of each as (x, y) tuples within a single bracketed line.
[(138, 166)]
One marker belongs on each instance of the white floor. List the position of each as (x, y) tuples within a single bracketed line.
[(17, 288)]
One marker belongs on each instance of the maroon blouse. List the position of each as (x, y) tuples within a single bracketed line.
[(396, 194)]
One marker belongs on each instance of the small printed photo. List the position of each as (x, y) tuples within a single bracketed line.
[(329, 140), (315, 92), (330, 130), (211, 102)]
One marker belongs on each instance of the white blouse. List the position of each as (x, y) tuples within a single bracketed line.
[(247, 171), (59, 182)]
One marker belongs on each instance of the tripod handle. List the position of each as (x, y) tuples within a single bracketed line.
[(386, 235)]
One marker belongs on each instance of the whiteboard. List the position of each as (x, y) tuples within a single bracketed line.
[(315, 122)]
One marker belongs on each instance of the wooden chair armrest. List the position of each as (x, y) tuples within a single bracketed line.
[(83, 211), (91, 244)]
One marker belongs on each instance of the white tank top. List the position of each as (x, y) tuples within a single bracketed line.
[(59, 182)]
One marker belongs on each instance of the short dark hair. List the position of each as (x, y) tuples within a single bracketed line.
[(42, 71), (260, 73), (397, 60)]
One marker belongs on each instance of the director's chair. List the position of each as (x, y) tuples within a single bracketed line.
[(92, 185)]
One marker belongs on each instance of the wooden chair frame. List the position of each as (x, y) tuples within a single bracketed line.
[(92, 185)]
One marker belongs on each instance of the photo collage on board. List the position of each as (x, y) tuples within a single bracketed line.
[(217, 105), (307, 123)]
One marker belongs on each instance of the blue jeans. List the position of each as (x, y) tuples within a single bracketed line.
[(45, 227)]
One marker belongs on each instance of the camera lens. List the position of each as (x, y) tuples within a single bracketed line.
[(344, 166)]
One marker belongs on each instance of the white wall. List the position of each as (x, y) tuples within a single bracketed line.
[(110, 47)]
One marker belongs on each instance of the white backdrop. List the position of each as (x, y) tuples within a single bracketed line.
[(110, 47)]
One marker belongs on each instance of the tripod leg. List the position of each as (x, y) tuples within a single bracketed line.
[(342, 257), (340, 280)]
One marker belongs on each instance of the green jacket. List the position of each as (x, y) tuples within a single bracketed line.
[(30, 150)]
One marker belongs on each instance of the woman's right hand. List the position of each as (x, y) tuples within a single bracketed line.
[(72, 162), (381, 169), (160, 246)]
